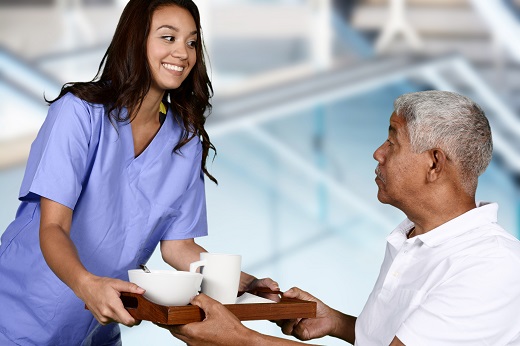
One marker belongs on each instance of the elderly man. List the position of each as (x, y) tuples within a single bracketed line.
[(451, 274)]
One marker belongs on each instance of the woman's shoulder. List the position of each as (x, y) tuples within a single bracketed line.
[(71, 100), (70, 105)]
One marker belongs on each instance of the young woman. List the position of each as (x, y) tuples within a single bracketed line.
[(117, 168)]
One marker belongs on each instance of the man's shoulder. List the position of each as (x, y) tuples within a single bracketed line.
[(491, 241)]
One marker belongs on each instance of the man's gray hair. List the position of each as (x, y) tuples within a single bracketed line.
[(453, 123)]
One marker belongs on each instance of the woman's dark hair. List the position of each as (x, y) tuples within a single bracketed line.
[(124, 77)]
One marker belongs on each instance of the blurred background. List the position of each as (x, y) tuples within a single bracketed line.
[(303, 93)]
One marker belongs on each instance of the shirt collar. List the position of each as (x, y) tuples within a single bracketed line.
[(398, 236), (485, 212)]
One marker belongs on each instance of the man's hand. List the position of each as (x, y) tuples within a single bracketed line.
[(220, 327), (327, 322), (308, 328)]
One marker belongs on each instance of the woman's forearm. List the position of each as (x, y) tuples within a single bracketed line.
[(181, 253), (57, 248), (61, 256)]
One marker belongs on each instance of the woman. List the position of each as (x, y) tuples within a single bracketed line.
[(116, 168)]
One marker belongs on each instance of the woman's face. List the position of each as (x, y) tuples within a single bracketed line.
[(171, 46)]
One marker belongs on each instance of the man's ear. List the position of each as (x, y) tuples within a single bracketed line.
[(438, 162)]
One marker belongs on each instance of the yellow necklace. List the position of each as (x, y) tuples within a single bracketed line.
[(162, 108)]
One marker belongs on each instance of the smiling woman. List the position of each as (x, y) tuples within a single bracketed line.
[(106, 182), (171, 46)]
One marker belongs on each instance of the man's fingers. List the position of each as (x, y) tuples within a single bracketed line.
[(287, 326), (297, 293), (292, 293), (202, 301)]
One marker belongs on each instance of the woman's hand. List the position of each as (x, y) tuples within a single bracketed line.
[(102, 297), (249, 283)]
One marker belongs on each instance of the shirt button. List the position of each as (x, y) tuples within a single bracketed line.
[(395, 274)]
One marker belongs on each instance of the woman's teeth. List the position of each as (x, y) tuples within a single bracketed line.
[(173, 67)]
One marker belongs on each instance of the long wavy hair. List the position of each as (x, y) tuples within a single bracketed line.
[(124, 76)]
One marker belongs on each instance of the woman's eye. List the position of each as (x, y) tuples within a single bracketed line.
[(192, 44), (168, 38)]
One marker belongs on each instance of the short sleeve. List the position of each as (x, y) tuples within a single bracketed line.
[(191, 221), (58, 157), (478, 305)]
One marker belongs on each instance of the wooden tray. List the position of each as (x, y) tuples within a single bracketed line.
[(142, 309)]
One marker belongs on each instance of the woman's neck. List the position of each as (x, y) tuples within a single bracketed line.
[(148, 112)]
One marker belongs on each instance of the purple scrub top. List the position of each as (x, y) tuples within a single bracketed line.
[(123, 207)]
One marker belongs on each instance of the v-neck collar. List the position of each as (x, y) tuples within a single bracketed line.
[(158, 143)]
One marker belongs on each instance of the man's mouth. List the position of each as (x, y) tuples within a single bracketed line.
[(378, 174)]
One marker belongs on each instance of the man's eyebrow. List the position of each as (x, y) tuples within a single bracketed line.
[(194, 32)]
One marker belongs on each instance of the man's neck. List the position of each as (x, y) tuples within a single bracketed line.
[(437, 214)]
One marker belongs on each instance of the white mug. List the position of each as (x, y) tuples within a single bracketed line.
[(220, 275)]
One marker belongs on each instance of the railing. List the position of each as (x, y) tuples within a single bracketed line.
[(245, 110), (503, 23)]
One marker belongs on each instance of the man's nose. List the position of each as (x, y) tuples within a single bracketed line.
[(378, 154)]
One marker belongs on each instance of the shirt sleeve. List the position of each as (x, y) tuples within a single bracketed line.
[(477, 305), (58, 157), (191, 221)]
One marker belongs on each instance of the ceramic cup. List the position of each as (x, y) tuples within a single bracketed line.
[(220, 275)]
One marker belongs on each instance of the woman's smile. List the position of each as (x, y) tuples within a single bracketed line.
[(172, 67)]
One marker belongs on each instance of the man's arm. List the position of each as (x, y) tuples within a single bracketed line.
[(218, 319), (209, 332), (327, 322)]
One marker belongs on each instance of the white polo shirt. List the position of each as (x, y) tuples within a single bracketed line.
[(458, 284)]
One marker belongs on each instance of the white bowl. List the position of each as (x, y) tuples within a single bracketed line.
[(167, 287)]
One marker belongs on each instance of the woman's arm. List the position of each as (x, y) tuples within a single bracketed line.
[(100, 294), (180, 253)]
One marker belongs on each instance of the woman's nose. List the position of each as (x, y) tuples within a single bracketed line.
[(180, 51)]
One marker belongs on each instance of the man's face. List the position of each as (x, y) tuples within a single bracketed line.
[(400, 173)]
